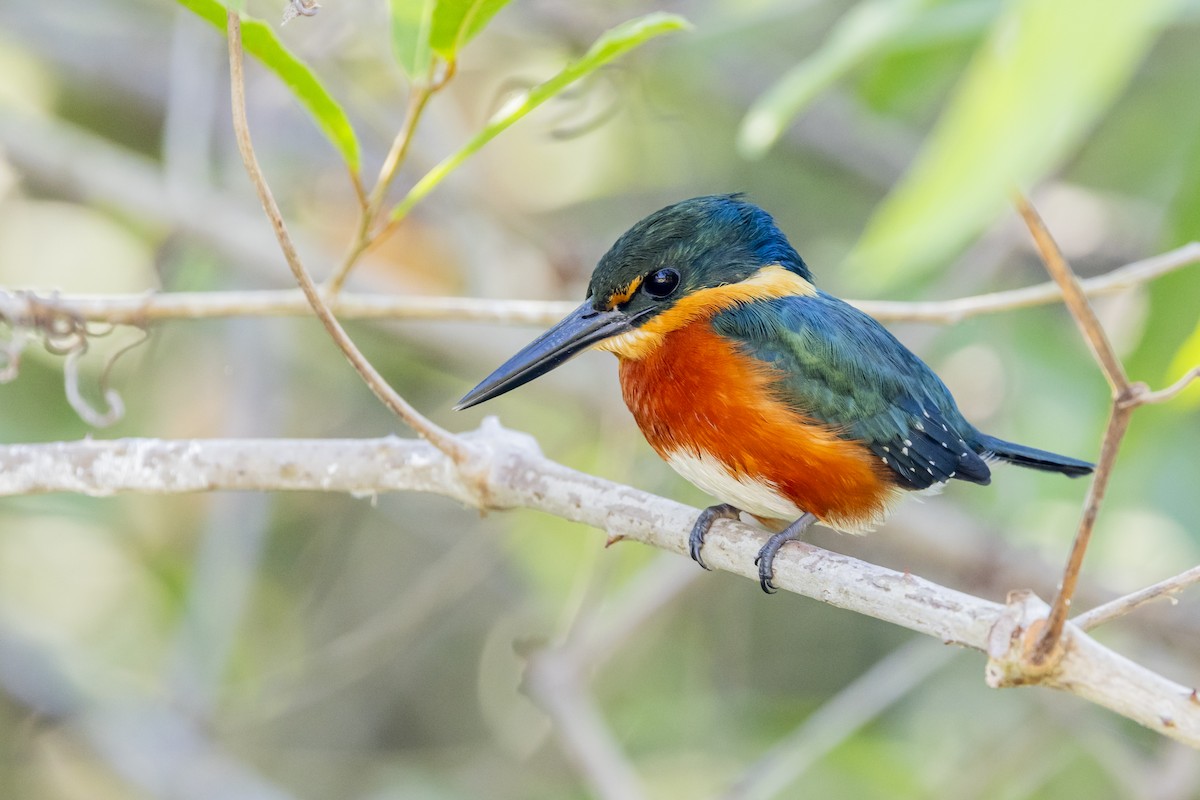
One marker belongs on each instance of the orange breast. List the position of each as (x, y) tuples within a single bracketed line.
[(696, 395)]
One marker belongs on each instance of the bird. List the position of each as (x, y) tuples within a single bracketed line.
[(776, 398)]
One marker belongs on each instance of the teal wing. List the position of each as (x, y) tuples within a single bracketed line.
[(839, 366)]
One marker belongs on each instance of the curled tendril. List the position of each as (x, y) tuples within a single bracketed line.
[(62, 332), (66, 333), (97, 419)]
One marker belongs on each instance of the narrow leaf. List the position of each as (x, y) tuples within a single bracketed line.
[(258, 38), (1187, 357), (411, 23), (611, 45), (862, 32), (1028, 98), (456, 22)]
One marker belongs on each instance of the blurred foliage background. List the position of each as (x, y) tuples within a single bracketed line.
[(320, 646)]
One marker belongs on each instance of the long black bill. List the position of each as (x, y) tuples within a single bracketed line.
[(579, 330)]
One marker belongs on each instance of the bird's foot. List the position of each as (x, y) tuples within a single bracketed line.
[(705, 521), (765, 561)]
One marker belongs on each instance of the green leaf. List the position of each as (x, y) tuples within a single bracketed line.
[(1185, 359), (258, 39), (1048, 69), (456, 22), (611, 45), (862, 32), (411, 23)]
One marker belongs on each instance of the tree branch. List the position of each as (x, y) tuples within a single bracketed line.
[(1123, 605), (20, 307), (1049, 645), (515, 474), (1076, 300)]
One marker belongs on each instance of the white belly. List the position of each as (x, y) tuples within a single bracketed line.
[(759, 498)]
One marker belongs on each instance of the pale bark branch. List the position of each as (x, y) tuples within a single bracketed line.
[(1123, 605), (23, 308), (1163, 395), (513, 473)]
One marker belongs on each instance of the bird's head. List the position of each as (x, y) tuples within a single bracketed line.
[(683, 262)]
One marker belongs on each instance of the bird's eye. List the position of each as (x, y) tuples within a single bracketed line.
[(661, 284)]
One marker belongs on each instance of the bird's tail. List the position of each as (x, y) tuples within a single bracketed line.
[(1033, 458)]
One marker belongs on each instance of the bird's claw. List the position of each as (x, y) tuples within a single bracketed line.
[(694, 544), (703, 523), (765, 561)]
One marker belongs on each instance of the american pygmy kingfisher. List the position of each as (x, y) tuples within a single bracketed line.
[(773, 396)]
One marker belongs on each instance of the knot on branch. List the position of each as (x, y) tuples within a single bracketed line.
[(1016, 653), (1132, 396), (497, 464), (61, 330)]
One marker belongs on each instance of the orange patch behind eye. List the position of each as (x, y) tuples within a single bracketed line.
[(625, 295)]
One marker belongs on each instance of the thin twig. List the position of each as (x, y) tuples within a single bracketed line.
[(364, 238), (125, 309), (1047, 648), (1163, 395), (1118, 423), (1126, 397), (1076, 299), (1123, 605), (952, 311), (438, 436)]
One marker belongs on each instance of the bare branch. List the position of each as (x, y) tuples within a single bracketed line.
[(952, 311), (1076, 299), (137, 309), (1118, 423), (515, 474), (1091, 671), (1123, 605), (1049, 646), (1163, 395), (146, 307), (1126, 397)]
